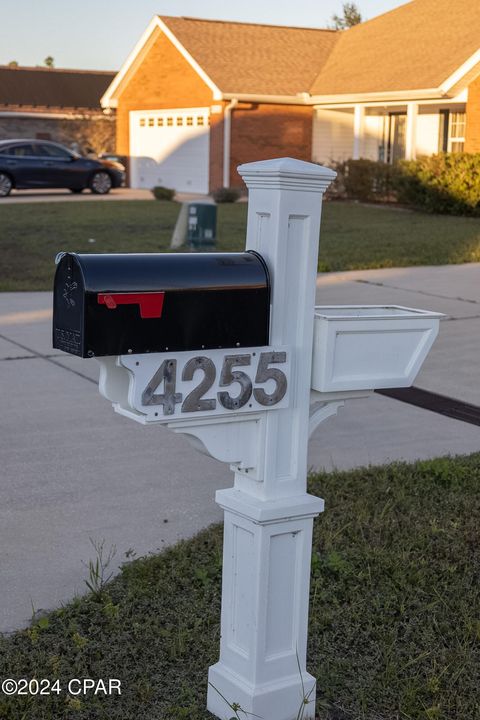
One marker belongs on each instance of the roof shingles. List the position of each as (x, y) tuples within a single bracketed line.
[(415, 46), (46, 87), (256, 59)]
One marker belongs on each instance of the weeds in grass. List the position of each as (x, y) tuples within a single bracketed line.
[(234, 707), (394, 622), (97, 568)]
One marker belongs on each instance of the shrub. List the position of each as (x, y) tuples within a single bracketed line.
[(443, 183), (163, 193), (226, 195), (365, 180)]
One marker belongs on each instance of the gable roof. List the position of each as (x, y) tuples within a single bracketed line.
[(252, 58), (423, 45), (51, 87), (418, 45)]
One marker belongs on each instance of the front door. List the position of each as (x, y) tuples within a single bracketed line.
[(396, 136)]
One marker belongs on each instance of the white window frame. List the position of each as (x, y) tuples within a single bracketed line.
[(456, 138)]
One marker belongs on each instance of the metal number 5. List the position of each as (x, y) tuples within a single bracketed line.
[(227, 377), (265, 373)]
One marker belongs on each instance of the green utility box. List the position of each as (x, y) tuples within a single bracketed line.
[(202, 225)]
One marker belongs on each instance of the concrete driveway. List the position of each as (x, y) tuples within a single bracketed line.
[(72, 471)]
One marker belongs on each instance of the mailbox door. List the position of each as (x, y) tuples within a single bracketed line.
[(69, 308)]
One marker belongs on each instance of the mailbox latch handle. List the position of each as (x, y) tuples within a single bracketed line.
[(151, 304)]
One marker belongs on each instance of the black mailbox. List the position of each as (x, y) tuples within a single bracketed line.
[(114, 304)]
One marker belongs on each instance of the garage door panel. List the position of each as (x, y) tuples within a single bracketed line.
[(171, 148)]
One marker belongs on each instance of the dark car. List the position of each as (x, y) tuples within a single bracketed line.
[(31, 164)]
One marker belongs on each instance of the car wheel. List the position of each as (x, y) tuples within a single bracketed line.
[(5, 185), (76, 190), (101, 183)]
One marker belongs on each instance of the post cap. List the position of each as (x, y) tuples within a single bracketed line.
[(286, 173)]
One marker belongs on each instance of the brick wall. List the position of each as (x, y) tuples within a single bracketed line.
[(262, 132), (163, 79), (472, 138)]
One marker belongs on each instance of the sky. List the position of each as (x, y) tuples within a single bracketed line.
[(99, 34)]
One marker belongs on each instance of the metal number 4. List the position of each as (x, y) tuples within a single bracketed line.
[(166, 373)]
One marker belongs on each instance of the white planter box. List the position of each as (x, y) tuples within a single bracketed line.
[(364, 347)]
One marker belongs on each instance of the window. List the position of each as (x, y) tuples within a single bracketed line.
[(151, 122), (179, 120), (189, 120), (52, 151), (23, 150), (160, 122), (452, 131), (456, 132), (169, 122), (142, 122), (396, 136), (200, 120)]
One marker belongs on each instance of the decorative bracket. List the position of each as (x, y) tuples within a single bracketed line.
[(324, 405), (232, 440)]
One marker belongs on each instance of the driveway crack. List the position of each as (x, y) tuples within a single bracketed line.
[(47, 358), (418, 292)]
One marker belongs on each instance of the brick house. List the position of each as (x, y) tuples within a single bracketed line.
[(197, 97), (54, 104)]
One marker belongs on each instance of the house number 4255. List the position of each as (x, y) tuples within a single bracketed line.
[(232, 383)]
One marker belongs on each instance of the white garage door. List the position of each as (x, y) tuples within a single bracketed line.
[(170, 148)]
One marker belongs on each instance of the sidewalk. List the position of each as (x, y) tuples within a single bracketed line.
[(41, 196), (72, 469)]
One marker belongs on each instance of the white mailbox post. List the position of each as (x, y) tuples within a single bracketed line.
[(268, 513)]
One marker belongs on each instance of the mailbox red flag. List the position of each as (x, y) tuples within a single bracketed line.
[(151, 304)]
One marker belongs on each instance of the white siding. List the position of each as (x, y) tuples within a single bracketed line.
[(372, 136), (427, 130), (332, 135)]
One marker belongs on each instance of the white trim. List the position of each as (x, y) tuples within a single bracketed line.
[(106, 99), (156, 23), (351, 98), (300, 99), (411, 131), (57, 116), (460, 99), (463, 70), (217, 94), (358, 127)]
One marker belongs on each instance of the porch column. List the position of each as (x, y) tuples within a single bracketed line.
[(358, 122), (411, 131)]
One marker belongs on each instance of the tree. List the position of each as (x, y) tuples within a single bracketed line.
[(49, 61), (88, 134), (13, 64), (351, 16)]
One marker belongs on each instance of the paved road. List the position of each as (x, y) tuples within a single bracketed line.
[(71, 470)]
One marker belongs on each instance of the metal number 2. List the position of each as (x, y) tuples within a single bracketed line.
[(167, 372), (194, 402), (265, 373), (227, 377)]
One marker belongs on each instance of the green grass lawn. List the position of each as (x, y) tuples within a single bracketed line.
[(353, 236), (394, 611)]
